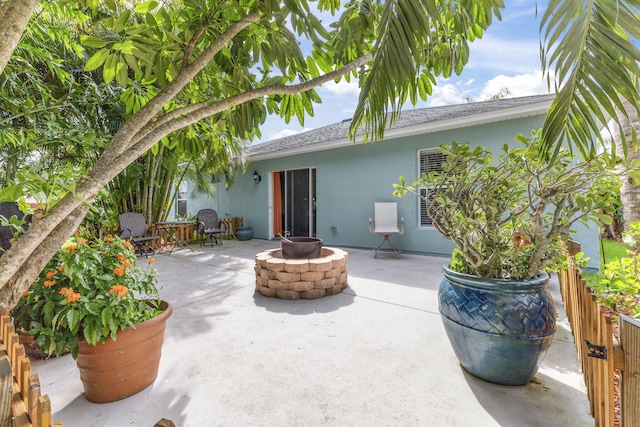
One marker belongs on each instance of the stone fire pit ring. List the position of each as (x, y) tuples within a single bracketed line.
[(290, 279)]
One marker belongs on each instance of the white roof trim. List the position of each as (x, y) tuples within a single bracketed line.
[(517, 112)]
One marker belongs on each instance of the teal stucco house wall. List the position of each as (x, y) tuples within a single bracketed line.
[(320, 183)]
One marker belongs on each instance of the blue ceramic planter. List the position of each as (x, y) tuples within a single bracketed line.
[(499, 329), (244, 233)]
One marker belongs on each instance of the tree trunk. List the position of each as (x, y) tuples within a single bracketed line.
[(629, 193), (14, 15), (18, 265), (28, 271)]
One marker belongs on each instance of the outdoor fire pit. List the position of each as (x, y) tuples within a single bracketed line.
[(306, 278), (301, 247)]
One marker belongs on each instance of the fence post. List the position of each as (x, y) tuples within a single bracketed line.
[(589, 324), (6, 388), (630, 387), (18, 387), (610, 366)]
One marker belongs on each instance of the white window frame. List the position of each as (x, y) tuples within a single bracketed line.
[(182, 197), (425, 166)]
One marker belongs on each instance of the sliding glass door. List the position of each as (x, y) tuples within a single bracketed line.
[(294, 202)]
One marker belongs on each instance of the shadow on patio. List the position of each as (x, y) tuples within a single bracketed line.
[(374, 355)]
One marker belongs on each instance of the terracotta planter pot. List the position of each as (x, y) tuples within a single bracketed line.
[(31, 347), (121, 368)]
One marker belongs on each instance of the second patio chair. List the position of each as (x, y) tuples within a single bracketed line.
[(134, 227), (209, 226), (385, 223)]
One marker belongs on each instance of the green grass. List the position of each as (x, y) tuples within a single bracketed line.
[(612, 250), (592, 279)]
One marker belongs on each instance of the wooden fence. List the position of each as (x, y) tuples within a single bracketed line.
[(600, 353), (21, 404), (188, 233)]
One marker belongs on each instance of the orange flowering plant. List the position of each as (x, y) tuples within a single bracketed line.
[(88, 291)]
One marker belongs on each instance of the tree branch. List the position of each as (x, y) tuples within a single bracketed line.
[(190, 114), (124, 138), (192, 44), (14, 276), (14, 15)]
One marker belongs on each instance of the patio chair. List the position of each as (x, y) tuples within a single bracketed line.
[(134, 227), (385, 223), (209, 226)]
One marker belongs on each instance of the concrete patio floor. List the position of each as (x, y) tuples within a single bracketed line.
[(374, 355)]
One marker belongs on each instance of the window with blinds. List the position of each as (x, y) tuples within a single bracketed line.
[(430, 160)]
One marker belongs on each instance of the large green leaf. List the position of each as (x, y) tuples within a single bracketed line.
[(146, 6), (96, 60), (590, 48), (417, 40), (92, 41), (11, 193)]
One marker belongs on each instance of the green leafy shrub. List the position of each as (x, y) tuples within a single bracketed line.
[(509, 215), (88, 291), (620, 287)]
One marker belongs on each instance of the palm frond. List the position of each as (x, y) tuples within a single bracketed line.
[(417, 41), (589, 46)]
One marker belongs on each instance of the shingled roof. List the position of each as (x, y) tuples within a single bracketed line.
[(411, 122)]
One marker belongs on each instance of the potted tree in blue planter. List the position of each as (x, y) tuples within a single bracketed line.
[(508, 217)]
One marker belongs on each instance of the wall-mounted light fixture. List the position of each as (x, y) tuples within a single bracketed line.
[(256, 177)]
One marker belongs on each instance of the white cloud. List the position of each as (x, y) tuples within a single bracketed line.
[(518, 85), (343, 88), (448, 94), (285, 132)]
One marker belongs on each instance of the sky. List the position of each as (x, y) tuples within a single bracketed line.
[(508, 56)]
